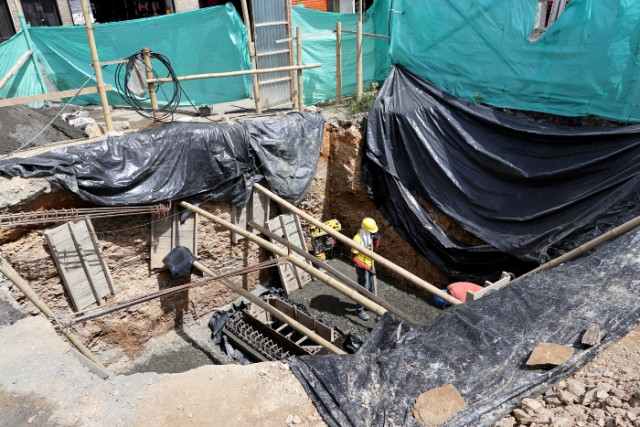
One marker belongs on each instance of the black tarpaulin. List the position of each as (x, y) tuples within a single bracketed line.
[(519, 185), (481, 347), (186, 160)]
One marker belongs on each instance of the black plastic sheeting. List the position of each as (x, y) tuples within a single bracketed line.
[(519, 185), (179, 261), (481, 347), (201, 161)]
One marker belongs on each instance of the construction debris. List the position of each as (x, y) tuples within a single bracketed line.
[(592, 336), (548, 355), (438, 405)]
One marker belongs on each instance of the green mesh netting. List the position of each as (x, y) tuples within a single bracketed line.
[(320, 83), (587, 63), (25, 81), (203, 41)]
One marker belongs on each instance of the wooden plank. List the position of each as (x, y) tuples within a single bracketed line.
[(83, 262), (260, 209), (286, 227), (76, 304), (289, 282), (103, 263), (239, 218), (287, 235), (77, 257), (89, 254), (167, 233), (489, 287), (49, 96), (70, 267), (290, 232), (257, 210)]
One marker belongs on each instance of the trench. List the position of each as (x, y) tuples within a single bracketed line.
[(171, 334)]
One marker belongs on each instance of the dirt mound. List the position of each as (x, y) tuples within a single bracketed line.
[(19, 124)]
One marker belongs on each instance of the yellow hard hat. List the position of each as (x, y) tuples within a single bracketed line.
[(369, 224)]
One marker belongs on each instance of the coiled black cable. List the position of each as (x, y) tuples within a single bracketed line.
[(171, 91)]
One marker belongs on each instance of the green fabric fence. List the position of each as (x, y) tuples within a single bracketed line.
[(320, 83), (203, 41), (26, 81), (587, 63)]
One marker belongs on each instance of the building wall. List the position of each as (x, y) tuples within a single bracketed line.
[(345, 6), (14, 15), (184, 5), (312, 4), (65, 12)]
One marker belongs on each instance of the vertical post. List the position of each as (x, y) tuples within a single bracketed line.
[(152, 90), (358, 61), (96, 66), (252, 55), (292, 74), (338, 61), (299, 54)]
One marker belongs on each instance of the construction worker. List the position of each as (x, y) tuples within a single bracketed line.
[(368, 237)]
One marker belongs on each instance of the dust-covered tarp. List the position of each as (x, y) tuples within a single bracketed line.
[(180, 160), (521, 186), (481, 347)]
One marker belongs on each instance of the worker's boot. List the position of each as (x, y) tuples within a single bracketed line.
[(363, 315)]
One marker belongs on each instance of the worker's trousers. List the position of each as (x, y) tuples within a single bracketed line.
[(365, 279)]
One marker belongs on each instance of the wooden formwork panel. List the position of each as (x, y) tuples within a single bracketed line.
[(288, 227), (257, 210), (79, 260), (169, 232)]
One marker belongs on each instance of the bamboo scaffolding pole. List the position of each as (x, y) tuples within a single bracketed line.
[(152, 90), (614, 232), (359, 61), (96, 66), (50, 95), (294, 93), (380, 36), (275, 312), (337, 285), (337, 274), (16, 67), (339, 61), (252, 55), (235, 73), (423, 284), (299, 56), (12, 275), (324, 33)]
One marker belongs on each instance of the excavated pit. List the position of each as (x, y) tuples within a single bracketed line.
[(170, 334)]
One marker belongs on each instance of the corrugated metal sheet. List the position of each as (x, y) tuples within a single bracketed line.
[(312, 4), (270, 25)]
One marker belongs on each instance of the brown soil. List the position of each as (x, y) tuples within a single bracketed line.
[(337, 192)]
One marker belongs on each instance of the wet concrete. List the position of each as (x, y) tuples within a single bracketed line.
[(193, 347), (334, 309)]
